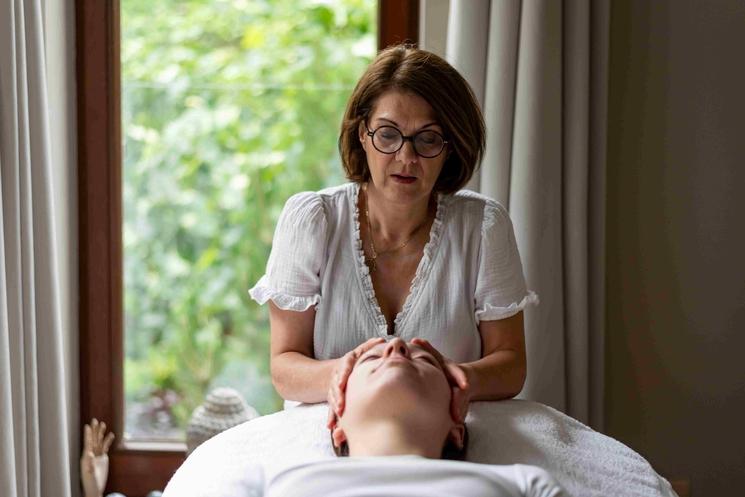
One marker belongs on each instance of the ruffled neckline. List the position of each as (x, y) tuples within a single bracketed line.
[(420, 276)]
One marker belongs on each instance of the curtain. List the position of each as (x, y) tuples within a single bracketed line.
[(539, 70), (34, 455)]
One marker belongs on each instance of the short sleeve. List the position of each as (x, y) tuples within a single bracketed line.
[(501, 291), (292, 279)]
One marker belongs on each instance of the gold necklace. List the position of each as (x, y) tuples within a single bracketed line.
[(372, 260)]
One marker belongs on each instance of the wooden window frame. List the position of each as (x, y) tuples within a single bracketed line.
[(134, 468)]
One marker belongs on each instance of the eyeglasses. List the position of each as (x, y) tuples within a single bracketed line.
[(389, 140)]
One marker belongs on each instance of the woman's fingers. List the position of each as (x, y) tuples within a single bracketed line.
[(458, 374), (336, 395), (452, 370), (361, 349), (339, 401), (346, 369), (461, 403), (333, 397), (340, 376), (372, 342), (340, 385), (331, 419), (429, 347), (432, 350), (454, 408), (331, 400)]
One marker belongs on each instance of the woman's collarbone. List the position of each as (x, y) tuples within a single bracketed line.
[(402, 268)]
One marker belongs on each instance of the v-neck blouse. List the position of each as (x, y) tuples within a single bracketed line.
[(470, 271)]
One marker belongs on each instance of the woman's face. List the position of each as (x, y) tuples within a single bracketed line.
[(396, 377), (401, 383), (403, 176)]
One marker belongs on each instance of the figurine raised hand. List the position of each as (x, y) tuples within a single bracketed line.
[(94, 462)]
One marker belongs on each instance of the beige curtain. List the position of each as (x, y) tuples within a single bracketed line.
[(34, 454), (539, 69)]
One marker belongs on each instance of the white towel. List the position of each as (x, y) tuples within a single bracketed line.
[(586, 463)]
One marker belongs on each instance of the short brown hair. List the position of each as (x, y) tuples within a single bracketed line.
[(409, 69)]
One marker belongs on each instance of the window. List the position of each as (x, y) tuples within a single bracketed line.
[(136, 467), (222, 121)]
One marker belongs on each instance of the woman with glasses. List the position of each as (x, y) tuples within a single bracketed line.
[(401, 250)]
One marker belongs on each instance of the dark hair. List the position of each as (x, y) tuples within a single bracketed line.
[(449, 451), (409, 69)]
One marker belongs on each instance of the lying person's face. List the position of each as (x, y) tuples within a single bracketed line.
[(400, 376), (399, 380)]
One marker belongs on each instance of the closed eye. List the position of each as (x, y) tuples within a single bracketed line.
[(429, 359), (370, 356)]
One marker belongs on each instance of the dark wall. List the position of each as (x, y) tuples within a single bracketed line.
[(675, 373)]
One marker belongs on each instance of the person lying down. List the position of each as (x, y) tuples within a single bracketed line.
[(401, 440)]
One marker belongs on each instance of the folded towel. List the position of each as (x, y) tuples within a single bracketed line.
[(585, 462)]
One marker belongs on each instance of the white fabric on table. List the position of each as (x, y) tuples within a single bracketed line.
[(470, 271), (584, 462)]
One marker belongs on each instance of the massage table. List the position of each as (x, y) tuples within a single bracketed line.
[(238, 462)]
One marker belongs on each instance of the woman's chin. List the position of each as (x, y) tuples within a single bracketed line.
[(399, 192), (400, 389)]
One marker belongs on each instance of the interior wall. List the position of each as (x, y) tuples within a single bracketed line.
[(675, 379), (433, 25)]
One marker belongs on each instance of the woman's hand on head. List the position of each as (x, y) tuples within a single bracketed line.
[(338, 385), (456, 376)]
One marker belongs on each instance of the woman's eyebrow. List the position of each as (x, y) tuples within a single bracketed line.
[(433, 123)]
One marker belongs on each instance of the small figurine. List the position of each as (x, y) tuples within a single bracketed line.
[(94, 462), (222, 409)]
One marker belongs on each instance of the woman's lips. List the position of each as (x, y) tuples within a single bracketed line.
[(403, 179)]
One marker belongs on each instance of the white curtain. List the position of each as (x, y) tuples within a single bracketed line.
[(34, 454), (539, 70)]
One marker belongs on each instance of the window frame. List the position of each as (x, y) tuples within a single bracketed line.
[(134, 468)]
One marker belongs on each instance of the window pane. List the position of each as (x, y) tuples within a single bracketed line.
[(228, 108)]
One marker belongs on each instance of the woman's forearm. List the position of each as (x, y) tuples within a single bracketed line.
[(498, 375), (301, 378)]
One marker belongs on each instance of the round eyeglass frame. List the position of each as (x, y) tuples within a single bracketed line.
[(404, 139)]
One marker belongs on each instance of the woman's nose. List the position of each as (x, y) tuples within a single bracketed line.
[(406, 154), (397, 347)]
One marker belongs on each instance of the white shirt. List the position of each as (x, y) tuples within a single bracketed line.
[(470, 271), (411, 476)]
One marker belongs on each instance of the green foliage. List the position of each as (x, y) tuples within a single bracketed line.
[(229, 107)]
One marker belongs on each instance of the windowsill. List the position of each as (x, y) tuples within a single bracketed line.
[(153, 446)]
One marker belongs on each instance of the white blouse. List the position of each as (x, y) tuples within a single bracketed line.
[(470, 271)]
